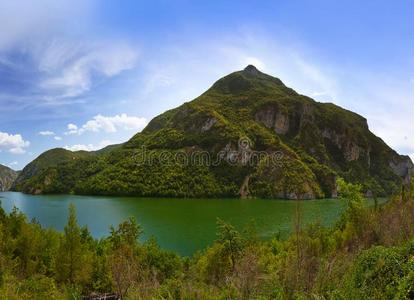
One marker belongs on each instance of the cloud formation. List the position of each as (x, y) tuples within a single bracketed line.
[(12, 164), (46, 133), (14, 144), (41, 64), (108, 124), (26, 19), (88, 147), (69, 68)]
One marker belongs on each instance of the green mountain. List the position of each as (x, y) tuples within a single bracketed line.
[(248, 135), (43, 166), (7, 177)]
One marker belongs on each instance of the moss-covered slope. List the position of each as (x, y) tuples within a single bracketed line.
[(248, 134)]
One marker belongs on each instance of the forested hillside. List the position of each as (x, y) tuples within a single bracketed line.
[(248, 135)]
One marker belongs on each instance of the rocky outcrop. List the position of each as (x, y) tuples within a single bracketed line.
[(271, 117), (351, 151), (281, 123), (237, 125), (7, 177), (208, 124), (244, 189), (403, 167)]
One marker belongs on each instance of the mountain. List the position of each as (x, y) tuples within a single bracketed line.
[(45, 164), (248, 135), (7, 177)]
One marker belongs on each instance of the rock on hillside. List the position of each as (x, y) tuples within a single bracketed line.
[(7, 177), (259, 137)]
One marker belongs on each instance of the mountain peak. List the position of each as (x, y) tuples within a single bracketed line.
[(251, 70), (250, 78), (314, 142)]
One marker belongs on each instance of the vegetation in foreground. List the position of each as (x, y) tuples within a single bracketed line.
[(369, 254)]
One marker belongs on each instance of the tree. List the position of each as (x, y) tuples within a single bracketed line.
[(231, 240), (127, 233), (356, 218), (72, 262), (355, 201), (124, 269), (124, 266)]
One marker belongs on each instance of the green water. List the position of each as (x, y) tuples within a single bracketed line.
[(181, 225)]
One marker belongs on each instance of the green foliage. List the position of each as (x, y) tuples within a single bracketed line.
[(369, 255), (127, 233), (355, 201), (318, 142), (73, 261), (230, 240), (165, 265), (376, 273), (289, 178), (382, 273)]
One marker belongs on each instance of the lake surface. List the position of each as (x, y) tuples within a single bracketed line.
[(181, 225)]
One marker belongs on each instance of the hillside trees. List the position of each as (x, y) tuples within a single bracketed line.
[(73, 261), (367, 255)]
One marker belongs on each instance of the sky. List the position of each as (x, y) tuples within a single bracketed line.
[(83, 74)]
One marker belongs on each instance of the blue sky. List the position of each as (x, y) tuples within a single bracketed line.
[(84, 74)]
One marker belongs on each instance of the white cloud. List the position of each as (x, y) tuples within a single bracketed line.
[(71, 66), (72, 129), (46, 133), (57, 138), (14, 144), (108, 124), (321, 93), (80, 147), (25, 19), (89, 147), (61, 67), (12, 164)]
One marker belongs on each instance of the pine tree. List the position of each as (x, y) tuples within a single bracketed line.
[(72, 263), (231, 240)]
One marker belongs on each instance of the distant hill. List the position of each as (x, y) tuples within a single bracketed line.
[(260, 138), (7, 177), (46, 162)]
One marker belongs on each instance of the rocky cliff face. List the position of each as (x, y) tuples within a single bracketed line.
[(260, 138), (7, 177), (403, 167), (271, 117)]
